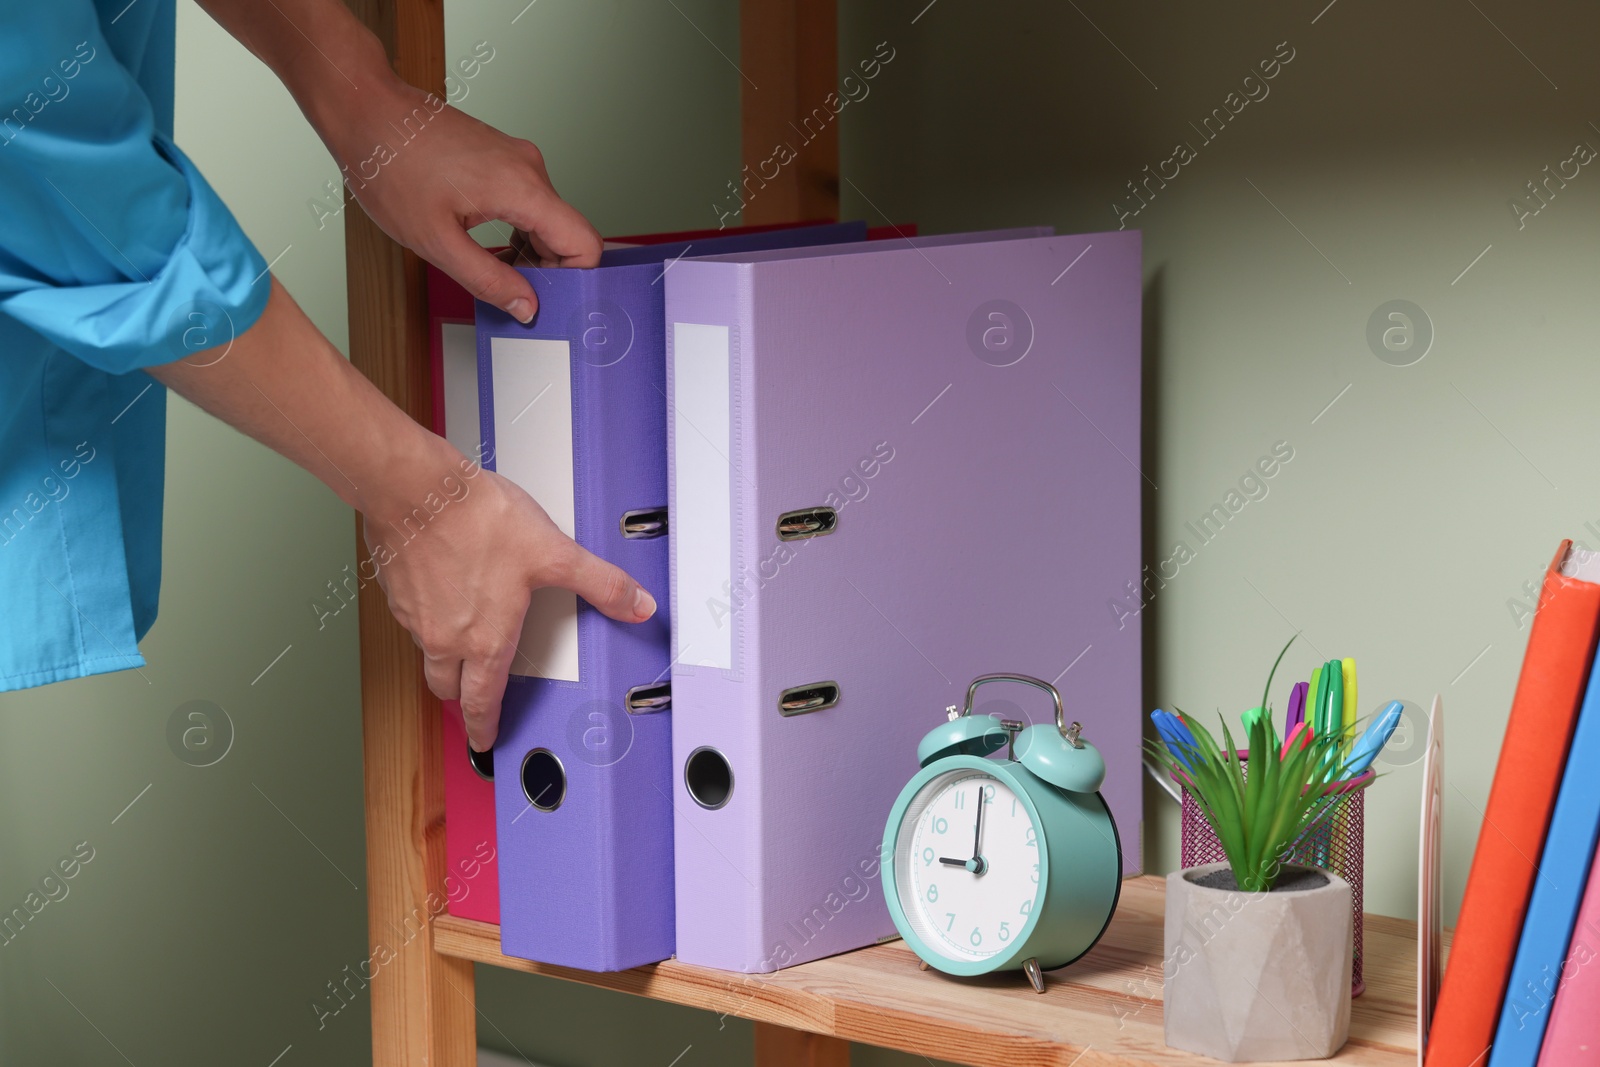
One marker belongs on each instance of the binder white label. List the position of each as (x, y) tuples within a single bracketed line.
[(533, 447), (460, 350), (702, 510)]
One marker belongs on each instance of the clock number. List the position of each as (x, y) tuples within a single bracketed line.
[(976, 938), (988, 794), (961, 801), (933, 893), (927, 857), (1032, 842), (952, 917), (1035, 874), (1027, 907), (940, 825), (1005, 932), (1013, 805)]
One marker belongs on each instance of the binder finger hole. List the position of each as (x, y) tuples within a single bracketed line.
[(708, 777), (482, 763), (544, 779), (804, 699)]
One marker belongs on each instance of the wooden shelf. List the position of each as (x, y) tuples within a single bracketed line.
[(1103, 1010)]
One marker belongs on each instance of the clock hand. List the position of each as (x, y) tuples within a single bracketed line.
[(976, 864), (977, 832)]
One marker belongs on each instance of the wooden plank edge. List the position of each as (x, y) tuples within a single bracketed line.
[(762, 999), (744, 996)]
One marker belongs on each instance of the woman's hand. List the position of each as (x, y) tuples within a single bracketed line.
[(461, 586), (427, 173), (424, 171), (459, 550)]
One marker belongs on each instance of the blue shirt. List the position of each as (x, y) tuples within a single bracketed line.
[(115, 255)]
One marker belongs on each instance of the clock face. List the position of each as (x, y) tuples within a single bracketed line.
[(967, 888)]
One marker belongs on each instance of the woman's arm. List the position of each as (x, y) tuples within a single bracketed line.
[(461, 585), (424, 171)]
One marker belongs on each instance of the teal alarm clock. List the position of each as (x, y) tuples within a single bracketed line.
[(1002, 864)]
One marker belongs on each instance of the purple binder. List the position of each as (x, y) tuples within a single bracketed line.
[(573, 409), (894, 467)]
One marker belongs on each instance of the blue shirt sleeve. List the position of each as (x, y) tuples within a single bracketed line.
[(114, 248)]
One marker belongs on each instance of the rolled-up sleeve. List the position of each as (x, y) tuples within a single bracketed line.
[(114, 248)]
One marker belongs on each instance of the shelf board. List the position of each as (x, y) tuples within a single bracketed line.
[(1103, 1010)]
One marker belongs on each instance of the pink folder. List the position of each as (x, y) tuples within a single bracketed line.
[(472, 876)]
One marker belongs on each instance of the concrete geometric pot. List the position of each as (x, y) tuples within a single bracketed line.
[(1257, 976)]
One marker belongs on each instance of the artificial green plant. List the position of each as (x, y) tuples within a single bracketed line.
[(1260, 816)]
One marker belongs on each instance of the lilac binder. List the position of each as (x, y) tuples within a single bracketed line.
[(573, 409), (969, 410)]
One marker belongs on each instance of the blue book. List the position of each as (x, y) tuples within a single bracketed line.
[(1563, 872), (573, 408)]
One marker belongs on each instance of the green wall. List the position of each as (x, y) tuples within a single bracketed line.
[(1378, 166), (1415, 508), (221, 901)]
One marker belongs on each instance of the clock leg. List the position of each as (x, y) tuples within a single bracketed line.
[(1030, 968), (922, 965)]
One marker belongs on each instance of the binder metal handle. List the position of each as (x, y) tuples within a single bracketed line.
[(644, 523), (807, 522), (645, 699), (804, 699)]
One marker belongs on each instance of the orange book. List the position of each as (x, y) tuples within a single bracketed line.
[(1555, 669)]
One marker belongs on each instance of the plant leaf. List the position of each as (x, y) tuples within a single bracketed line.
[(1266, 689), (1265, 803)]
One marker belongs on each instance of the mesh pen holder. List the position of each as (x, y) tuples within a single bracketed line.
[(1337, 843)]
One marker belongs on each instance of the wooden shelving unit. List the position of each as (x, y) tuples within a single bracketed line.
[(1104, 1010)]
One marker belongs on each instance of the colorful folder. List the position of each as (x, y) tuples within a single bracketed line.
[(1563, 872), (573, 409), (472, 877), (895, 467), (1554, 670)]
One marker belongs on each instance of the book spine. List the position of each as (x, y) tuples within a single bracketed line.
[(472, 881), (1574, 1031), (584, 830), (1542, 952), (472, 872), (1538, 732), (715, 680), (619, 370)]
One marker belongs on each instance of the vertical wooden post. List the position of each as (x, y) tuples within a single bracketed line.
[(779, 1046), (788, 54), (422, 1003)]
